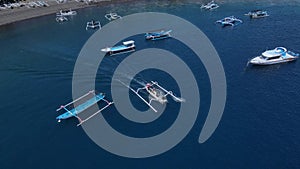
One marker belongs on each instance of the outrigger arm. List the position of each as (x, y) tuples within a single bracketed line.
[(99, 111), (136, 92), (63, 106), (80, 108), (67, 110), (177, 99)]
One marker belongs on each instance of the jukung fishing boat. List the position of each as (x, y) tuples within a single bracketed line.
[(61, 19), (127, 46), (93, 25), (229, 21), (112, 16), (66, 13), (68, 113), (274, 56), (257, 14), (210, 6), (156, 93), (159, 34)]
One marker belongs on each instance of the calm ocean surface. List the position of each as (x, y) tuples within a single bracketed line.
[(260, 124)]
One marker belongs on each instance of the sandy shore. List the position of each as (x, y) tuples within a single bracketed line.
[(8, 16)]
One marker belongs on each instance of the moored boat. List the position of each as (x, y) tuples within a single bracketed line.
[(229, 21), (112, 16), (274, 56), (156, 35), (66, 13), (210, 6), (61, 19), (127, 46), (257, 14), (74, 112), (93, 25)]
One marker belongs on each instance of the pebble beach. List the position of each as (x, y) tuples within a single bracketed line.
[(8, 16)]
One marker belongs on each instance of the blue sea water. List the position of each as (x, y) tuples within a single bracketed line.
[(259, 127)]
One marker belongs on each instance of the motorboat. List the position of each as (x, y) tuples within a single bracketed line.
[(274, 56), (210, 6), (127, 46), (61, 19), (229, 21), (156, 93), (93, 25), (156, 35), (112, 16), (66, 13), (257, 14)]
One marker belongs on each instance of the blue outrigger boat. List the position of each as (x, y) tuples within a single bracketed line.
[(82, 107), (229, 21), (157, 35), (127, 46)]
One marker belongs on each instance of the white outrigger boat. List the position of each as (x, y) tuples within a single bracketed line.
[(229, 21), (210, 6), (127, 46), (61, 19), (156, 93), (66, 13), (93, 25), (82, 107), (112, 16), (274, 56), (157, 35), (257, 14)]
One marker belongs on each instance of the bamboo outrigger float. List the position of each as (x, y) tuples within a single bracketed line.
[(82, 107)]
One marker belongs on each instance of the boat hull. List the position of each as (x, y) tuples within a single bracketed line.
[(114, 52), (80, 108), (151, 37), (274, 62), (157, 95)]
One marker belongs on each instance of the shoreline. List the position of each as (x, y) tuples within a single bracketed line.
[(10, 16)]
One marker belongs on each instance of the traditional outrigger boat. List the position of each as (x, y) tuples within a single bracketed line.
[(66, 13), (93, 25), (127, 46), (257, 14), (82, 107), (61, 19), (274, 56), (210, 6), (112, 16), (229, 21), (156, 93), (157, 35)]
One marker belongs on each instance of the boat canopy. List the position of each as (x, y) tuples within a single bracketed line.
[(128, 42), (275, 52), (281, 49)]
